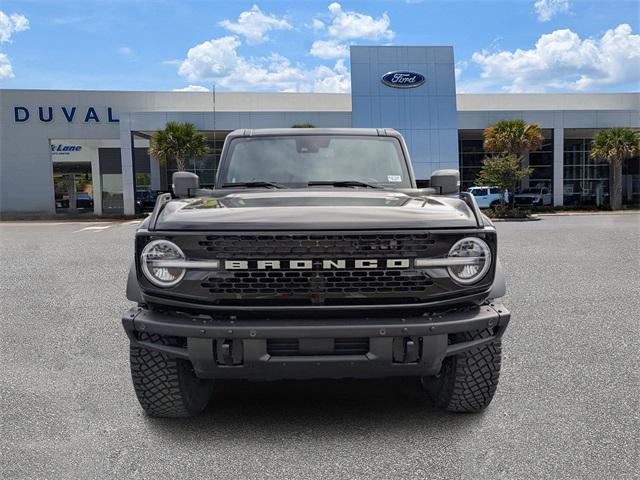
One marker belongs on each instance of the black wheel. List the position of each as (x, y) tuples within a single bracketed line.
[(494, 204), (467, 381), (166, 386)]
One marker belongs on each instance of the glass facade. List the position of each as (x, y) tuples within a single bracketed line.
[(111, 180), (631, 182), (207, 167), (542, 163), (472, 155), (73, 187), (586, 181)]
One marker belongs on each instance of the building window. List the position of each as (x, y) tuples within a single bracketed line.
[(111, 180), (542, 163), (631, 182), (586, 181), (207, 167), (472, 155)]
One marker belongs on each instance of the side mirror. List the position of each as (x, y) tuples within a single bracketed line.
[(447, 182), (185, 184)]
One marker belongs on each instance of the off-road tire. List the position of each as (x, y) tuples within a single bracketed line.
[(166, 386), (468, 380)]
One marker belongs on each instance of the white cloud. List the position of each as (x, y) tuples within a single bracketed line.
[(10, 24), (331, 80), (211, 59), (562, 60), (460, 67), (192, 88), (218, 61), (254, 25), (547, 9), (347, 25), (127, 51), (6, 70), (327, 49)]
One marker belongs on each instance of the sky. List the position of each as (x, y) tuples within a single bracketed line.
[(499, 46)]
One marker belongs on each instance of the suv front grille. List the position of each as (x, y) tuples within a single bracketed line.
[(302, 246), (314, 282), (351, 284)]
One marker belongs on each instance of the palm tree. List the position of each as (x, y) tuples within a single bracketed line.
[(513, 139), (615, 145), (179, 141)]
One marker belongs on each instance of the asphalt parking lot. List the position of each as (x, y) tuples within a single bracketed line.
[(567, 405)]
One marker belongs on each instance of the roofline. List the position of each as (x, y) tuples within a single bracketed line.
[(266, 132)]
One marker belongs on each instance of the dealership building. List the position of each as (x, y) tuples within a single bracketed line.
[(78, 151)]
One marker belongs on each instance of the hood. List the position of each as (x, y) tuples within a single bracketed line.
[(337, 209)]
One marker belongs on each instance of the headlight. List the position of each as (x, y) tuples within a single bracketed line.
[(156, 263), (469, 273)]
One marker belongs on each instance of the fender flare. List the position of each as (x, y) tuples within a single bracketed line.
[(133, 288), (499, 286)]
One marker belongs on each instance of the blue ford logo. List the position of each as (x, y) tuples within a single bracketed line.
[(402, 79)]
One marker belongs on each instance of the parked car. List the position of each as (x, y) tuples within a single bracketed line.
[(487, 197), (534, 196), (84, 200), (146, 200)]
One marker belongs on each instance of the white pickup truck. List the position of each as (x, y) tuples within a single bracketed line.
[(487, 197)]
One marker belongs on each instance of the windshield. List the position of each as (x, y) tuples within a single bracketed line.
[(531, 190), (296, 160)]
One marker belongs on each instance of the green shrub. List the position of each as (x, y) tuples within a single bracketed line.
[(506, 212)]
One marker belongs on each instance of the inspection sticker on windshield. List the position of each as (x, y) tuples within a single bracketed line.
[(394, 178)]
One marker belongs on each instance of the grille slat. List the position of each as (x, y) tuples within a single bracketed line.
[(312, 282), (281, 347), (317, 245)]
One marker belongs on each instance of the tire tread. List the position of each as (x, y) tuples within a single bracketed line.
[(468, 380), (162, 383)]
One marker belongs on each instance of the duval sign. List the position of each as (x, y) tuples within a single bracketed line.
[(47, 114), (402, 79)]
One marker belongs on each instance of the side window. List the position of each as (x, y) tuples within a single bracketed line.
[(544, 191), (495, 191)]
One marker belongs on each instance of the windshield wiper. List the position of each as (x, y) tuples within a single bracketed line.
[(254, 184), (343, 183)]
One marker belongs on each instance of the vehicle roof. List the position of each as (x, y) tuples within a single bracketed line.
[(264, 132)]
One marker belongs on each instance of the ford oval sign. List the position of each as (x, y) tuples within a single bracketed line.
[(402, 79)]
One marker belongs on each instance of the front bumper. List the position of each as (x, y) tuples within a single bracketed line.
[(240, 348)]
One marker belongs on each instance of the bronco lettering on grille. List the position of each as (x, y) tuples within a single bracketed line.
[(338, 264)]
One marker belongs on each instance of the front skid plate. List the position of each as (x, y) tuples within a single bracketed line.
[(203, 334)]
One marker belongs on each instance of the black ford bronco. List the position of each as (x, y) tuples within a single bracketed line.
[(316, 255)]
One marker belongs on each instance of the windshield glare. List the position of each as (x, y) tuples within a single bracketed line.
[(299, 159)]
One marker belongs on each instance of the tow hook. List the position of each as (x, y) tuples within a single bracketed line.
[(406, 349), (229, 352)]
